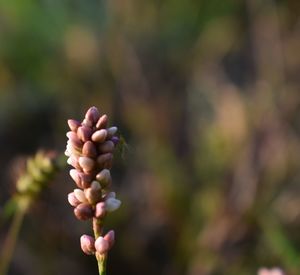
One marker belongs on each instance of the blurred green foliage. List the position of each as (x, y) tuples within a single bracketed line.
[(205, 93)]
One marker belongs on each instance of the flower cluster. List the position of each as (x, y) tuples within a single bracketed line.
[(90, 150)]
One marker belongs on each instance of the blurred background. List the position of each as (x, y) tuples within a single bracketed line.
[(206, 94)]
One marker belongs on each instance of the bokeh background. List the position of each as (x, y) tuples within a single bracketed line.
[(206, 94)]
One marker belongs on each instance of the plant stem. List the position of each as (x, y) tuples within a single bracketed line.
[(101, 258), (10, 242)]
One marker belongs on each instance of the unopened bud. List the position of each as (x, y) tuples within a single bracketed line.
[(67, 153), (104, 178), (115, 140), (73, 200), (100, 210), (73, 161), (87, 244), (106, 147), (75, 142), (83, 211), (84, 133), (110, 195), (88, 123), (102, 122), (93, 193), (72, 150), (110, 237), (96, 186), (99, 136), (111, 131), (75, 176), (272, 271), (108, 164), (101, 245), (86, 179), (105, 160), (71, 134), (112, 204), (79, 194), (89, 149), (86, 163), (73, 124), (92, 114)]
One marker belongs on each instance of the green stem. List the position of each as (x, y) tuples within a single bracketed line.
[(101, 259), (10, 242)]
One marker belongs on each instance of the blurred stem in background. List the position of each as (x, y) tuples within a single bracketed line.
[(39, 171), (10, 242)]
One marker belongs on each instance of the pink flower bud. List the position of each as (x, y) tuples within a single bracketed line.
[(101, 245), (92, 199), (100, 211), (75, 176), (89, 149), (87, 244), (95, 186), (75, 142), (99, 136), (92, 114), (86, 163), (73, 200), (93, 194), (105, 160), (86, 179), (67, 153), (79, 194), (106, 147), (88, 123), (83, 211), (115, 140), (71, 134), (72, 150), (110, 237), (110, 195), (102, 122), (111, 132), (73, 161), (84, 133), (277, 271), (104, 178), (112, 204), (73, 124), (108, 164), (263, 271), (272, 271)]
